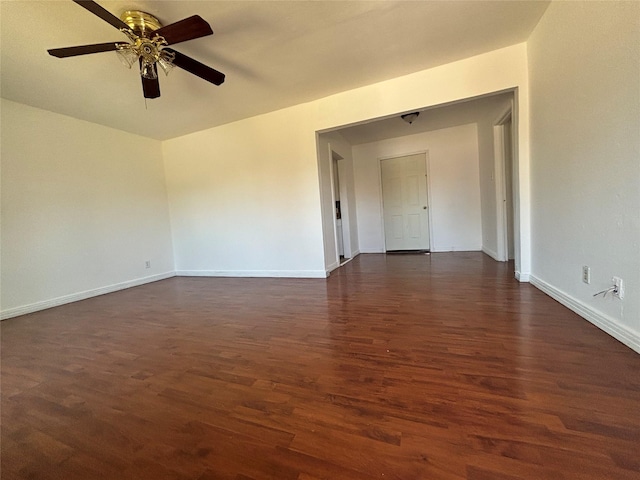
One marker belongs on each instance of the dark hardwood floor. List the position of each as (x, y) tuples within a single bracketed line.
[(396, 367)]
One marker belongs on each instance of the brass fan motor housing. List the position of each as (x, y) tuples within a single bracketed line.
[(141, 23)]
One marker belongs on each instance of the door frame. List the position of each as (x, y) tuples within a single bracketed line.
[(344, 208), (335, 157), (428, 182), (500, 159)]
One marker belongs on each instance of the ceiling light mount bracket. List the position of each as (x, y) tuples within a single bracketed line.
[(142, 23), (410, 117)]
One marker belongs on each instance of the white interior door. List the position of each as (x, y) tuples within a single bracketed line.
[(404, 198)]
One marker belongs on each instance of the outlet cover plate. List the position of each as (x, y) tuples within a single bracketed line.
[(619, 284)]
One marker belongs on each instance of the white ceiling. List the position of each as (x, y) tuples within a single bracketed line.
[(275, 54)]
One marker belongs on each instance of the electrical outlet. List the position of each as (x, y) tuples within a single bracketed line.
[(619, 287), (586, 274), (147, 264)]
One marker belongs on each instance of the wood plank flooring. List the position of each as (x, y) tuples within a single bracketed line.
[(396, 367)]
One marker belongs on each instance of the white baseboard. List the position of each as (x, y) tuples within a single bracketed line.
[(75, 297), (604, 322), (253, 273), (491, 253), (455, 249), (523, 277), (332, 267), (354, 255)]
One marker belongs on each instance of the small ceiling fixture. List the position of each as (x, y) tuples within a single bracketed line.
[(410, 117)]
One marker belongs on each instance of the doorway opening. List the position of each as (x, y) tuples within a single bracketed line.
[(339, 186), (504, 222), (504, 168)]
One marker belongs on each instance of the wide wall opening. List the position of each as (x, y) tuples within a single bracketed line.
[(465, 200)]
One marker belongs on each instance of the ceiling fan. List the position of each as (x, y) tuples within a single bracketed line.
[(148, 45)]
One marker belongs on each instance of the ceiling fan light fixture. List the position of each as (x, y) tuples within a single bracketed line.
[(127, 55), (166, 61), (148, 70), (148, 45), (145, 47)]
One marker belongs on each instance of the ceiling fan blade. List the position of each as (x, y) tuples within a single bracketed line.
[(199, 69), (105, 15), (151, 87), (84, 49), (183, 30)]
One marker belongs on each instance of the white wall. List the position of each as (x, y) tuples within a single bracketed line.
[(244, 197), (585, 137), (454, 187), (83, 207)]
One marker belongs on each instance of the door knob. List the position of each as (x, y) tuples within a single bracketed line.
[(424, 208)]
